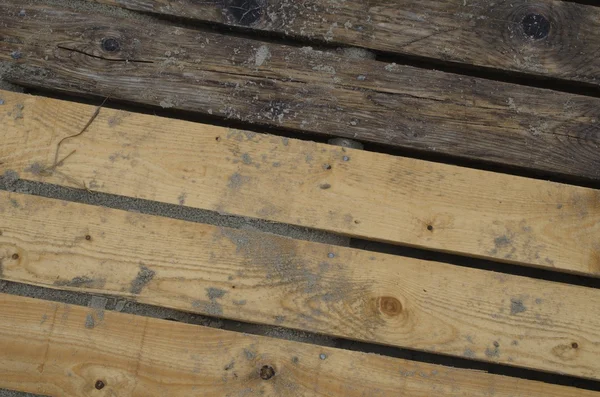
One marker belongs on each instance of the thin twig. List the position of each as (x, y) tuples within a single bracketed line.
[(52, 169), (74, 181), (48, 171), (96, 112)]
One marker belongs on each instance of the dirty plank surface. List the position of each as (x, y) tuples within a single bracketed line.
[(263, 278), (65, 350), (436, 206), (556, 39), (54, 47)]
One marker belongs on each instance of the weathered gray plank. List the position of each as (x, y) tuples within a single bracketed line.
[(52, 46), (556, 39)]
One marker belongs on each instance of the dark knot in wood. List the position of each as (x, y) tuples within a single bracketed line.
[(390, 306), (110, 44), (535, 26)]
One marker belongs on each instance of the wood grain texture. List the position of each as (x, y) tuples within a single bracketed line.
[(50, 348), (352, 192), (263, 278), (302, 89), (556, 39)]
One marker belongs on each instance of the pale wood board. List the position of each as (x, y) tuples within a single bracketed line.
[(364, 194), (484, 33), (63, 350), (57, 45), (263, 278)]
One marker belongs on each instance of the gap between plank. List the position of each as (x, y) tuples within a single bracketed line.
[(585, 2)]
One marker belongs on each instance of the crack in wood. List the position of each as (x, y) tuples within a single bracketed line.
[(101, 57)]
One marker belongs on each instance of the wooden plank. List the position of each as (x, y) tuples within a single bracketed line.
[(352, 192), (263, 278), (299, 88), (556, 39), (65, 350)]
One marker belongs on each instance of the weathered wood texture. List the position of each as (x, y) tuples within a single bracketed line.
[(555, 39), (64, 350), (51, 46), (263, 278), (353, 192)]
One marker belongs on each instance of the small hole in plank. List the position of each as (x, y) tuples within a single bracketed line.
[(88, 237), (218, 139), (430, 228), (574, 345), (267, 372), (15, 256), (99, 385)]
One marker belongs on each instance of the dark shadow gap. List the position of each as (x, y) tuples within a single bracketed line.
[(595, 3), (197, 215), (437, 157), (177, 114), (476, 263), (458, 362), (483, 72), (315, 137), (130, 307), (489, 73)]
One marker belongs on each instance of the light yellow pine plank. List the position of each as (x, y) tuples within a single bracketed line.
[(263, 278), (52, 349), (359, 193)]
